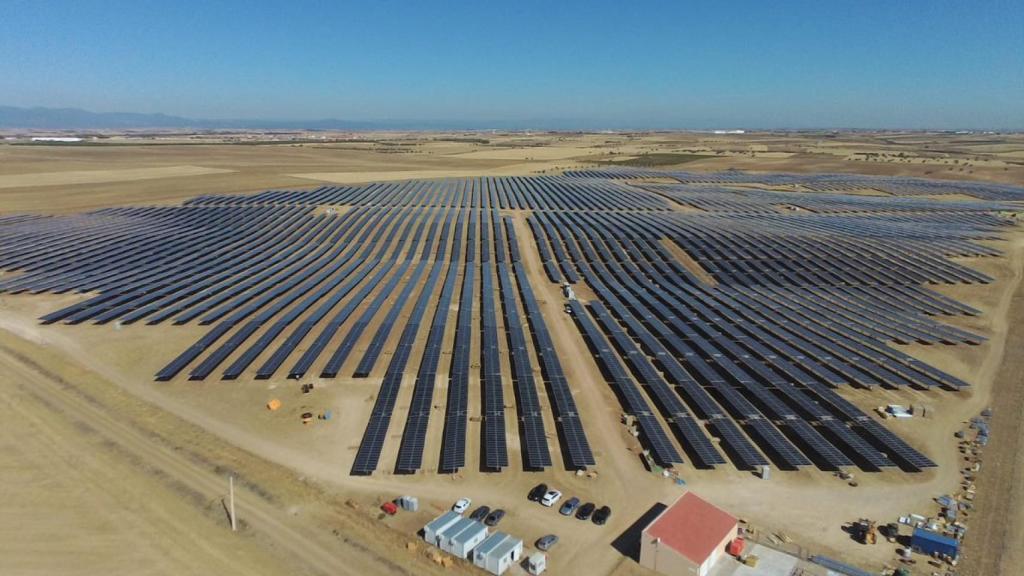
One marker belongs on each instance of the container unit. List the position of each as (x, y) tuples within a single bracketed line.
[(498, 553), (433, 529), (932, 543), (462, 537)]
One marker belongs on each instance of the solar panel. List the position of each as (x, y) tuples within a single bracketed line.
[(818, 445), (894, 447), (533, 439), (744, 455), (776, 442)]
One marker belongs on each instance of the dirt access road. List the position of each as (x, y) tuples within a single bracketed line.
[(993, 546)]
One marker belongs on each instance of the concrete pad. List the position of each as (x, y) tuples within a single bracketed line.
[(770, 563)]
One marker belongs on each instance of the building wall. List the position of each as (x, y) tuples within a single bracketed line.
[(719, 550), (664, 559), (498, 564)]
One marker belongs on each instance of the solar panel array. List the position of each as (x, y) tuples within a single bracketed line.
[(727, 310), (895, 185), (506, 193)]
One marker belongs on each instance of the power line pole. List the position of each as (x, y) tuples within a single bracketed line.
[(231, 499)]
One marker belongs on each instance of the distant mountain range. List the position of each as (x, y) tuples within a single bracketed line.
[(78, 119), (39, 118)]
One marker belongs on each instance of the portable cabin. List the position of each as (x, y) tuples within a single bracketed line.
[(462, 537), (431, 532), (498, 553)]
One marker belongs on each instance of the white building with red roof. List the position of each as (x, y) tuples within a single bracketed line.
[(687, 538)]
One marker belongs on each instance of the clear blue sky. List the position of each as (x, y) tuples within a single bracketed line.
[(673, 64)]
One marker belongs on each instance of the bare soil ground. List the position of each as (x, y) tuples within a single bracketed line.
[(149, 461)]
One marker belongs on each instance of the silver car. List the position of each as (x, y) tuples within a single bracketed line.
[(546, 542)]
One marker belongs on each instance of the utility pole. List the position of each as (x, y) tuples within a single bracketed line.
[(231, 499)]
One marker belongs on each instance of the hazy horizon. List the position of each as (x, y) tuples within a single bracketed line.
[(797, 65), (72, 118)]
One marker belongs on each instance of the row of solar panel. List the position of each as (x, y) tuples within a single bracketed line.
[(605, 277), (716, 198), (897, 185), (507, 193)]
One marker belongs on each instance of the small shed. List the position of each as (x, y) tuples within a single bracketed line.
[(537, 563), (687, 538), (498, 552), (462, 537), (931, 543), (433, 528)]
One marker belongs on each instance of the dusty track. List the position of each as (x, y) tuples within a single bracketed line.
[(996, 534)]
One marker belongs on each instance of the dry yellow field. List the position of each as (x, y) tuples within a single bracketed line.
[(74, 177)]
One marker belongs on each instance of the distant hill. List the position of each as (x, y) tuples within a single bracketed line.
[(78, 119), (74, 118)]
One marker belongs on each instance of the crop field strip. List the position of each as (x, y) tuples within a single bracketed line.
[(809, 290)]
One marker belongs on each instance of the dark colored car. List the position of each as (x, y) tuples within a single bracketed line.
[(546, 542), (494, 517), (602, 515), (538, 492), (569, 507), (480, 513), (585, 511)]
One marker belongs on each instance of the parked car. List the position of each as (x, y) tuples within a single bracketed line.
[(546, 542), (480, 513), (537, 493), (585, 511), (602, 515), (569, 506), (494, 517), (551, 497), (461, 505)]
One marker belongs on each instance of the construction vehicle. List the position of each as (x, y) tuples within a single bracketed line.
[(864, 530)]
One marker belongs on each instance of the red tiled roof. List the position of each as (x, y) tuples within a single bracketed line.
[(692, 526)]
